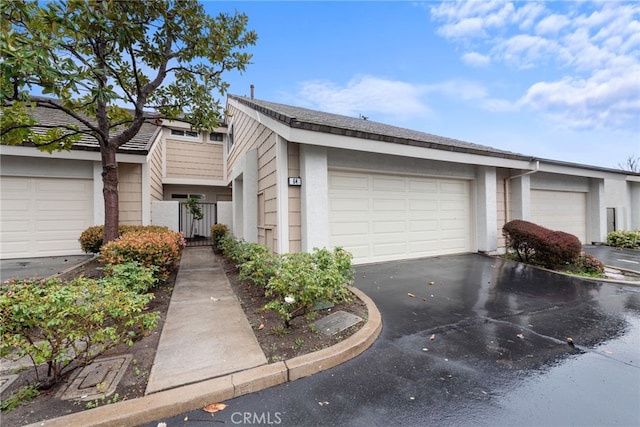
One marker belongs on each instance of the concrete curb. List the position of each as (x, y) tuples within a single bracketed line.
[(186, 398)]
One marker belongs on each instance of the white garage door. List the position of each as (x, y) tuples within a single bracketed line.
[(43, 216), (560, 210), (389, 217)]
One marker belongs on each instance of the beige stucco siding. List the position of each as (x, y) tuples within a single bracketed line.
[(295, 216), (155, 172), (501, 176), (194, 160), (130, 193)]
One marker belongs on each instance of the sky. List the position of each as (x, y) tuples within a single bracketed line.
[(555, 80)]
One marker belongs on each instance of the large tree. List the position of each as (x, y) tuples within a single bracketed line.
[(110, 66)]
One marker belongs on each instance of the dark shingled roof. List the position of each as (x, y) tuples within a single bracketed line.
[(303, 118), (139, 144)]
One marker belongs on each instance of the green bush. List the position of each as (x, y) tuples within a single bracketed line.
[(624, 239), (91, 238), (132, 276), (535, 244), (234, 249), (148, 248), (302, 280), (218, 231), (260, 265), (59, 323)]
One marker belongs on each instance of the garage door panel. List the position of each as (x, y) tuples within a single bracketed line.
[(389, 205), (348, 182), (560, 210), (345, 228), (44, 216), (408, 217), (423, 186)]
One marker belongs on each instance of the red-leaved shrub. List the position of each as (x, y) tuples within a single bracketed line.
[(91, 238), (536, 244), (148, 248)]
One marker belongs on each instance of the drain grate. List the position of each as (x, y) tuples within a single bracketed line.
[(337, 322), (98, 379)]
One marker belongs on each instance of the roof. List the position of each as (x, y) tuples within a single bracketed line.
[(140, 144), (303, 118)]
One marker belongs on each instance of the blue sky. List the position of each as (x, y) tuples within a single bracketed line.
[(558, 80)]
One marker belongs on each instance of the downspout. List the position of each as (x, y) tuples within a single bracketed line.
[(507, 188)]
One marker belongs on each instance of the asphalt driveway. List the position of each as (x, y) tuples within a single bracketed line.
[(485, 344)]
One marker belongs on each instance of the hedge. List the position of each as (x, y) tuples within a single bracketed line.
[(536, 244), (91, 238), (624, 239)]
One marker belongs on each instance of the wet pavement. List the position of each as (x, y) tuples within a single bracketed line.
[(41, 267), (485, 345), (627, 259)]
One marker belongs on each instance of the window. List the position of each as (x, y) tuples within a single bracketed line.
[(230, 138), (187, 196), (187, 133), (216, 136)]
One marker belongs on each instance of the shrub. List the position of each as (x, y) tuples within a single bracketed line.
[(587, 263), (260, 265), (91, 238), (58, 323), (535, 244), (148, 248), (624, 239), (218, 231), (304, 279), (132, 276), (234, 249)]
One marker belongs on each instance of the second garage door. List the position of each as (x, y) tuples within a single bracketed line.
[(560, 210), (387, 217), (44, 216)]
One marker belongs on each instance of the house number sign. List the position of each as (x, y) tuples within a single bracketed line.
[(297, 181)]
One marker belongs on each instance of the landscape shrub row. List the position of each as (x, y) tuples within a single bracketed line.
[(624, 239), (294, 283), (536, 244), (91, 238), (69, 323)]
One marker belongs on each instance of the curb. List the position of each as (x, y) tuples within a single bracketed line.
[(186, 398)]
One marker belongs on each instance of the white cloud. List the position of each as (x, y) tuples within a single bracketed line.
[(476, 59), (589, 53), (364, 94), (392, 99), (551, 25)]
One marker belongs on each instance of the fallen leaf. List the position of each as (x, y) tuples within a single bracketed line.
[(261, 326), (214, 407), (432, 283), (432, 337), (520, 336), (215, 299), (411, 295), (570, 341), (323, 403), (424, 299), (608, 352)]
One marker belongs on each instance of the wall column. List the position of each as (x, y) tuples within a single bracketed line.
[(596, 212), (314, 197), (487, 209), (520, 198)]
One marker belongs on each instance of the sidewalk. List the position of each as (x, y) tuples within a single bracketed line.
[(206, 333), (208, 352)]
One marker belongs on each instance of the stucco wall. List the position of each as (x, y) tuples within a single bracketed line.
[(130, 193), (501, 202)]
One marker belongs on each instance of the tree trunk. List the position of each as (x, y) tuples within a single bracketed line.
[(110, 193)]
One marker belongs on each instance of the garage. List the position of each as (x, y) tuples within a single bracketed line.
[(44, 216), (560, 210), (381, 217)]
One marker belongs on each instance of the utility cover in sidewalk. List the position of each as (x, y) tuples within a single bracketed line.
[(97, 380), (337, 322)]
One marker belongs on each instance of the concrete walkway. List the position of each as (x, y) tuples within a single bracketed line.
[(206, 333)]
